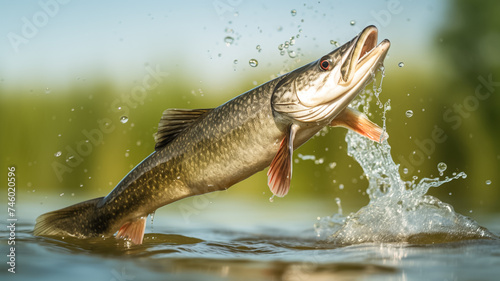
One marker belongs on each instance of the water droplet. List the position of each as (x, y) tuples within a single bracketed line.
[(271, 199), (235, 61), (280, 47), (409, 113), (488, 182), (441, 168), (57, 154), (62, 194), (124, 119), (293, 12), (228, 40), (152, 218), (341, 186), (353, 22), (405, 171), (258, 48), (253, 62), (337, 200), (292, 54), (334, 43), (401, 64), (47, 90)]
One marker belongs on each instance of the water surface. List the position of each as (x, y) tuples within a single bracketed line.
[(283, 250), (402, 234)]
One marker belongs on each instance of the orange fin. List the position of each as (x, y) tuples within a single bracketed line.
[(280, 170), (133, 230), (358, 122)]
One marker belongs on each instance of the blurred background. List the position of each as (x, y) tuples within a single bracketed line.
[(83, 85)]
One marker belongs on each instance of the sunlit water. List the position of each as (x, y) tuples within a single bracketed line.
[(402, 234)]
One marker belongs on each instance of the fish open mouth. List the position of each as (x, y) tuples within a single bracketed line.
[(365, 55), (322, 89)]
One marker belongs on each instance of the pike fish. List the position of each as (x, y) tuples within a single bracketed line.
[(204, 150)]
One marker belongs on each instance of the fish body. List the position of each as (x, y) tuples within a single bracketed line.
[(205, 150)]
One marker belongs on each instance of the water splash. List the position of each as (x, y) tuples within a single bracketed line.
[(398, 211)]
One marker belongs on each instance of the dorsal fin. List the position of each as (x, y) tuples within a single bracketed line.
[(173, 122)]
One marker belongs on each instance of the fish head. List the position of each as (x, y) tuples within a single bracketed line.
[(321, 89)]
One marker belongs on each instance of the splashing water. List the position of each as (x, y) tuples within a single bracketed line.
[(398, 211)]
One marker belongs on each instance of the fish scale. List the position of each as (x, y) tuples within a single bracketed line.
[(204, 150)]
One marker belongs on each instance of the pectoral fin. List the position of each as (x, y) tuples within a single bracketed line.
[(280, 171), (133, 230), (358, 122)]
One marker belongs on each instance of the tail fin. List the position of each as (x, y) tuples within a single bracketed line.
[(75, 220)]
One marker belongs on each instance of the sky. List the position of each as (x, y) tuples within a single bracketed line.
[(55, 42)]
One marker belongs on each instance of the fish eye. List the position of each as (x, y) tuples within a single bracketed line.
[(325, 64)]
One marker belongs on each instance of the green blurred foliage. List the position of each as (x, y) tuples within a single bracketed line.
[(469, 44), (36, 125)]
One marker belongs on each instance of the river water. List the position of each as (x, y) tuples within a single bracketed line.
[(402, 234), (247, 250)]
